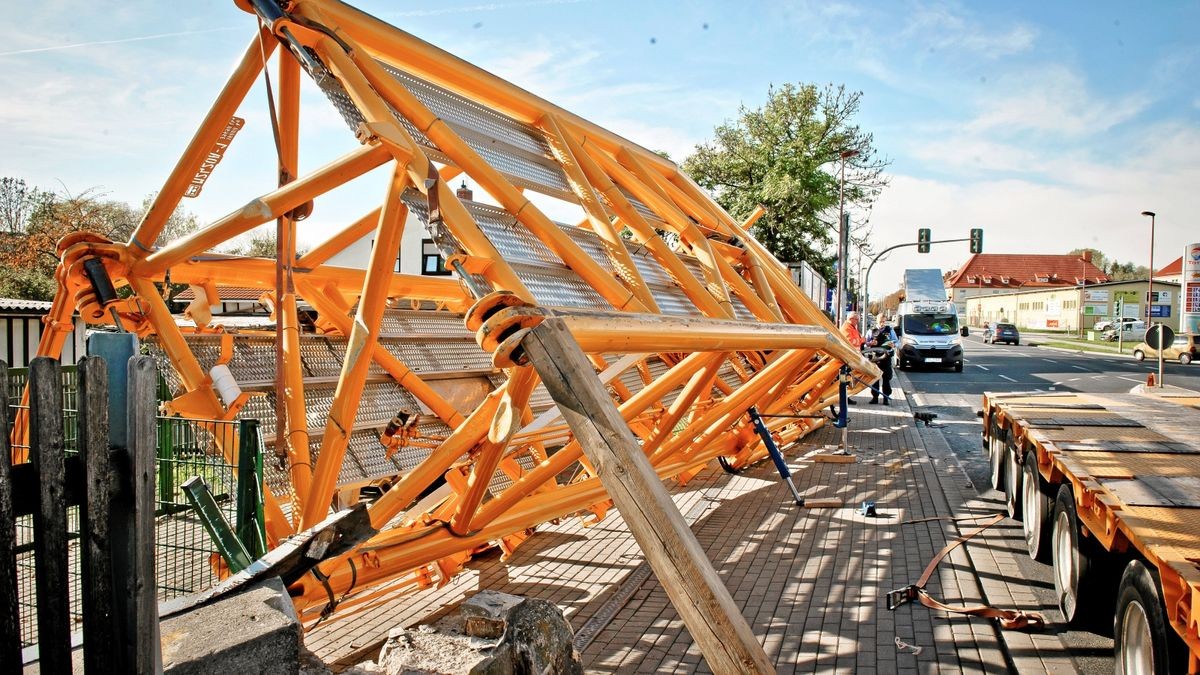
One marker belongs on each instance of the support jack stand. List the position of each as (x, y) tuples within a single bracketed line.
[(782, 467)]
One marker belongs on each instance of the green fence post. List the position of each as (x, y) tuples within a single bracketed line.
[(166, 467), (250, 526), (222, 534)]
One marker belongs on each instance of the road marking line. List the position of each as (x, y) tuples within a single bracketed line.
[(1050, 361), (979, 366), (1008, 378), (1129, 379), (1079, 367)]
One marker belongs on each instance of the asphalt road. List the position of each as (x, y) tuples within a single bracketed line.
[(956, 397)]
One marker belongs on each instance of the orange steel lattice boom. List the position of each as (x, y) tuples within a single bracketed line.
[(419, 388)]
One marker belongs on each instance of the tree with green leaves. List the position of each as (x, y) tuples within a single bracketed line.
[(29, 253), (786, 156)]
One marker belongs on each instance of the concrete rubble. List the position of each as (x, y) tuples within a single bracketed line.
[(492, 634)]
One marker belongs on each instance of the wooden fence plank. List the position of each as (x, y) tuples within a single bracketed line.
[(10, 617), (143, 451), (100, 643), (50, 521)]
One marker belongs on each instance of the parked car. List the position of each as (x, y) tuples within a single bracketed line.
[(1109, 324), (1185, 348), (1131, 331), (1005, 332)]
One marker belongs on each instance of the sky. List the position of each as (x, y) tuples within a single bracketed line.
[(1051, 125)]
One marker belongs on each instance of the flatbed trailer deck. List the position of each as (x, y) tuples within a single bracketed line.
[(1108, 489)]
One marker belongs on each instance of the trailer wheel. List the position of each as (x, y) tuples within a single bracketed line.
[(998, 450), (1037, 506), (1012, 483), (1074, 560), (1143, 640)]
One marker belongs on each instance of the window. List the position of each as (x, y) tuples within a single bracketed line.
[(431, 260)]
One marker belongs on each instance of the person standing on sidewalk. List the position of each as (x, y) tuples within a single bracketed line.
[(881, 354), (850, 330)]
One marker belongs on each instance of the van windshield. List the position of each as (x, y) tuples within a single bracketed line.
[(931, 324)]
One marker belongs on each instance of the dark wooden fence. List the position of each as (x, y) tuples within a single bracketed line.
[(114, 488)]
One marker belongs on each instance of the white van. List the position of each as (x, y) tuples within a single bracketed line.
[(1131, 329)]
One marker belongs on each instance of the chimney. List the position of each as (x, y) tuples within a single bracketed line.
[(1087, 256), (465, 193)]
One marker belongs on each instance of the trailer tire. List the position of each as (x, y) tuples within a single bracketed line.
[(1012, 483), (1143, 641), (1037, 505), (1075, 558), (998, 450)]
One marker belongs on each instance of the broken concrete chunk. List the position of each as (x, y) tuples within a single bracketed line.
[(492, 634)]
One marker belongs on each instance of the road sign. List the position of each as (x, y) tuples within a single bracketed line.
[(1160, 336)]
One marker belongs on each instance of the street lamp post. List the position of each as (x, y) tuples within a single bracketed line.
[(1150, 293), (843, 274)]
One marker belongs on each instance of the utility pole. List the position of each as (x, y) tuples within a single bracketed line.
[(843, 275)]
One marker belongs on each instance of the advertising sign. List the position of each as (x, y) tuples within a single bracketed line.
[(1095, 296), (1052, 308), (1162, 297), (1160, 311), (1189, 322), (1095, 310)]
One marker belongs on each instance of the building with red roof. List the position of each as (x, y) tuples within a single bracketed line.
[(997, 273), (1172, 272)]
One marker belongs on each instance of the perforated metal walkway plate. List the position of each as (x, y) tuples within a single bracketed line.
[(1168, 491)]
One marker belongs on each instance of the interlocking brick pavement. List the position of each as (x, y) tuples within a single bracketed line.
[(810, 581)]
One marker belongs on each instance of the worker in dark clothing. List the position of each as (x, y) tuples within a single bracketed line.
[(880, 353)]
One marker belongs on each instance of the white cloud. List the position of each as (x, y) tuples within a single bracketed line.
[(1052, 99), (1086, 203), (945, 28)]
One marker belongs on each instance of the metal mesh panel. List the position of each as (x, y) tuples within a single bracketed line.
[(439, 357)]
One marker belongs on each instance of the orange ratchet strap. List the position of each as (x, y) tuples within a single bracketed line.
[(1011, 619)]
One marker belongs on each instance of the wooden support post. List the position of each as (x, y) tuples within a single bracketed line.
[(100, 652), (686, 574), (143, 405), (10, 628), (50, 519)]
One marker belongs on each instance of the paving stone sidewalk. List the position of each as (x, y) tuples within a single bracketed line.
[(810, 581)]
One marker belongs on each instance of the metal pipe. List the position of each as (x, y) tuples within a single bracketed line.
[(163, 205), (363, 337), (496, 185), (264, 209)]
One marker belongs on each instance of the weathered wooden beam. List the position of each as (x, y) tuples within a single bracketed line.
[(687, 576), (10, 628), (101, 653), (143, 454), (50, 520)]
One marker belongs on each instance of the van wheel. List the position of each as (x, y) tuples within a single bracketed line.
[(1037, 506), (1143, 640), (1075, 561), (1185, 358), (1139, 355), (1012, 484)]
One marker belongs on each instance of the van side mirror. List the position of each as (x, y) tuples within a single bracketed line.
[(963, 331)]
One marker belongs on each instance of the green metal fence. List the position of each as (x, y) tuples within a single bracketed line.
[(185, 555)]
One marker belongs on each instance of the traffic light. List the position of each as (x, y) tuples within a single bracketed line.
[(976, 240), (923, 239)]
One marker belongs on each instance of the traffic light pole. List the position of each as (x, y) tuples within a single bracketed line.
[(867, 278)]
